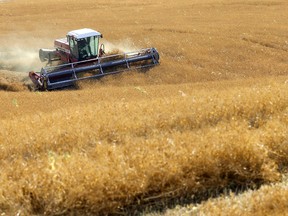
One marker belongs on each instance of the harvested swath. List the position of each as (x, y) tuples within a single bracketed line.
[(11, 86)]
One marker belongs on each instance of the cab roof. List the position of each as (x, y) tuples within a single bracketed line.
[(84, 33)]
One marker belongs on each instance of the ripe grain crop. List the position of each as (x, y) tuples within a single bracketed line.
[(211, 118), (104, 156)]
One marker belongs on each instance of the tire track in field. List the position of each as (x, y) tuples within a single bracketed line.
[(266, 44)]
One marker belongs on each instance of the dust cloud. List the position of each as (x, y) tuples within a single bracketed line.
[(126, 45), (23, 58), (20, 53), (20, 59), (18, 56)]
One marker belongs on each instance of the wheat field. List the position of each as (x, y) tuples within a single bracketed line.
[(203, 133)]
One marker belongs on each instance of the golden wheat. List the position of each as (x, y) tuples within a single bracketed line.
[(212, 117), (103, 155)]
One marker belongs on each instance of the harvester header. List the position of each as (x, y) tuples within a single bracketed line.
[(80, 56)]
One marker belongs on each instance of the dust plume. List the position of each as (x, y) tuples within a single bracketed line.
[(17, 58), (21, 52), (126, 45), (15, 62)]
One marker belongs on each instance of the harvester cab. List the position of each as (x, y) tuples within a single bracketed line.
[(83, 44), (82, 58)]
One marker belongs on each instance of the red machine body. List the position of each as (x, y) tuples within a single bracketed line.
[(63, 50)]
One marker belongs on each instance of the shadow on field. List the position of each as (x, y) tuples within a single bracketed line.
[(162, 202)]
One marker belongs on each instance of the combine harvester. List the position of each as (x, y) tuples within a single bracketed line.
[(82, 58)]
